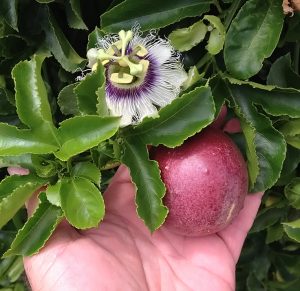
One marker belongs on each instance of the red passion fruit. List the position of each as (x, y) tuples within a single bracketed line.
[(206, 180)]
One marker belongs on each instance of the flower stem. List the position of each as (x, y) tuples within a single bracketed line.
[(231, 13)]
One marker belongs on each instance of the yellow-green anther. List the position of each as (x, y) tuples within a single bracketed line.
[(140, 51), (125, 38), (117, 44), (121, 78), (102, 56), (135, 69)]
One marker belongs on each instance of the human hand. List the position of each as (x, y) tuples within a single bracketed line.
[(121, 254)]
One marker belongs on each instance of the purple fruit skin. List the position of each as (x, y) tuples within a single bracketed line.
[(206, 180)]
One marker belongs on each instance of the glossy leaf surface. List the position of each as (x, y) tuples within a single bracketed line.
[(81, 133), (150, 189), (179, 120), (36, 231), (154, 14), (15, 199), (252, 37), (81, 202)]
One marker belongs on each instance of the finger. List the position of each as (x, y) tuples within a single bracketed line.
[(120, 192), (220, 120), (234, 235), (232, 126), (32, 203), (17, 171)]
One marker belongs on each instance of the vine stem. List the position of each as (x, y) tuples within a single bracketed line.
[(217, 4), (110, 166), (206, 58), (296, 57), (231, 13)]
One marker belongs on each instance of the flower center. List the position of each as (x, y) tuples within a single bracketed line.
[(126, 67)]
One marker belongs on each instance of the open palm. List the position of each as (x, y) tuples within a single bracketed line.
[(121, 254)]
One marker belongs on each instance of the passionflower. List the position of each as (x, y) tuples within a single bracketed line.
[(143, 74)]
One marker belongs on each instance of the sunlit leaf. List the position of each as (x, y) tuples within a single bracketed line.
[(146, 176), (86, 90), (17, 142), (15, 198), (67, 100), (292, 229), (81, 202), (184, 39), (217, 34), (36, 231), (87, 170), (179, 120), (31, 95), (81, 133)]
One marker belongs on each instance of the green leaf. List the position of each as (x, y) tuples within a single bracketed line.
[(275, 101), (36, 231), (291, 131), (74, 17), (282, 75), (6, 108), (252, 37), (266, 218), (146, 176), (81, 133), (87, 170), (266, 146), (31, 96), (11, 269), (193, 78), (53, 194), (151, 14), (289, 166), (94, 37), (44, 1), (58, 44), (81, 202), (17, 142), (253, 283), (86, 90), (292, 192), (217, 35), (274, 233), (8, 8), (102, 109), (15, 161), (67, 100), (292, 229), (184, 117), (44, 166), (184, 39), (10, 183), (15, 199)]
